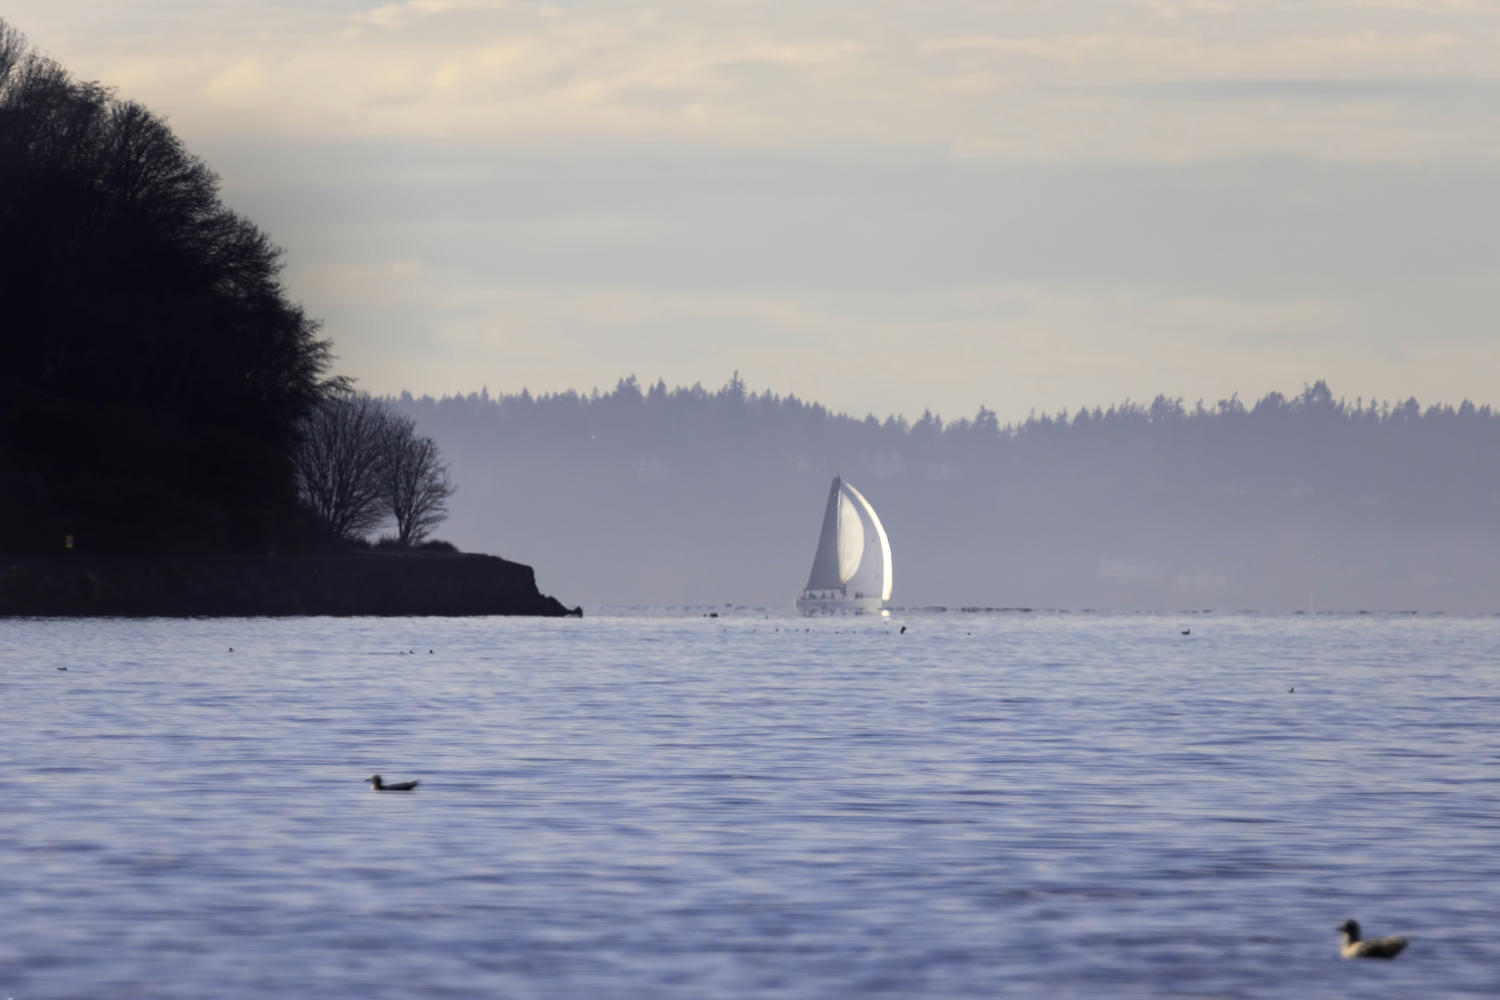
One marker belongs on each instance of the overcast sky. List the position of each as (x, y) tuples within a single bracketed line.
[(885, 206)]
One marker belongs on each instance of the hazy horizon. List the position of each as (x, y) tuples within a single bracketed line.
[(651, 495)]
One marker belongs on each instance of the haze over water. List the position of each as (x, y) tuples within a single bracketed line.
[(656, 804)]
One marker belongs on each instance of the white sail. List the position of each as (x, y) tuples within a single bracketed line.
[(851, 539), (880, 562), (852, 566)]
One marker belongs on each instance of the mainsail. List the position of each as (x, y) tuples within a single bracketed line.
[(852, 566)]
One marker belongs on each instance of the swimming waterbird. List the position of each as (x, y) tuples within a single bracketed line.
[(400, 786), (1350, 946)]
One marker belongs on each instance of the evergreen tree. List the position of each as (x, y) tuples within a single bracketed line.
[(137, 311)]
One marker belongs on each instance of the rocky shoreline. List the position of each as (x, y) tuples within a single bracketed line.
[(359, 583)]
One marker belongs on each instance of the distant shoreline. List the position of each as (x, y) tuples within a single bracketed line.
[(354, 584)]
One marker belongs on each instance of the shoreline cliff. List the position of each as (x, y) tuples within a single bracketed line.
[(352, 584)]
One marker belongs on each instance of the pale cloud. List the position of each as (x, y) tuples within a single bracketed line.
[(1428, 6), (1122, 58), (380, 285), (1007, 80), (1173, 9), (244, 83), (398, 15)]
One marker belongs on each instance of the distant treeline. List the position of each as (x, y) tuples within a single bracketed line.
[(663, 494), (153, 373)]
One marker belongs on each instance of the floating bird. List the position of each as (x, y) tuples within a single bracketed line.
[(231, 649), (401, 786), (62, 668), (1350, 946), (1187, 631), (1291, 690), (903, 629)]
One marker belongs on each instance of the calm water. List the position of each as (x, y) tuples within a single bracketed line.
[(671, 806)]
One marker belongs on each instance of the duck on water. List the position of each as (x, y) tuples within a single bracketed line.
[(1350, 946), (401, 786)]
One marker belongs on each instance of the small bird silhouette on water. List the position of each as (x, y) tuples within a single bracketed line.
[(1291, 690), (401, 786), (62, 668), (903, 629), (231, 649), (1350, 946)]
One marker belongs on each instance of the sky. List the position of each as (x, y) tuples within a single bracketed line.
[(884, 206)]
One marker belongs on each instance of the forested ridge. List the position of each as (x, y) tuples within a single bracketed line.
[(1291, 500), (154, 371), (1440, 457)]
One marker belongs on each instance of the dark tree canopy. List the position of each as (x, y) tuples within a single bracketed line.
[(122, 276), (130, 296)]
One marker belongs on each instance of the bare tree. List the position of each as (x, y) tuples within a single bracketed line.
[(416, 483), (341, 462)]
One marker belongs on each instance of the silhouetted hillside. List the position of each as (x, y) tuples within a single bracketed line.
[(153, 369), (687, 495)]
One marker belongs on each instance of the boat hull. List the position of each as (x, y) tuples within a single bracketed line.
[(838, 605)]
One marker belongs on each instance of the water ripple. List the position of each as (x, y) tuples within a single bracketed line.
[(660, 805)]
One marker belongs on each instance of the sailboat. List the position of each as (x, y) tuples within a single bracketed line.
[(852, 568)]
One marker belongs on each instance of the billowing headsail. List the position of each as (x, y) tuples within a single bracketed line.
[(878, 566), (852, 567)]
